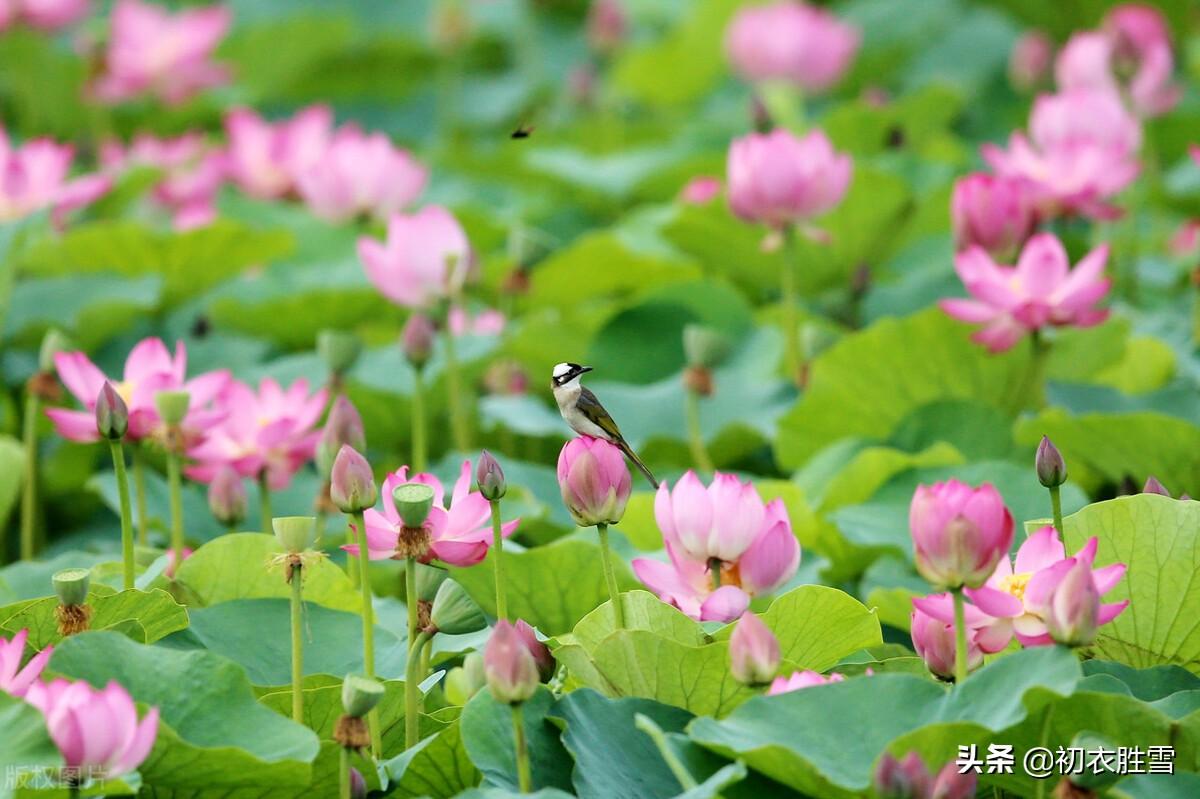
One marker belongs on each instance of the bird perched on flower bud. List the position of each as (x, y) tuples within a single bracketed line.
[(586, 416)]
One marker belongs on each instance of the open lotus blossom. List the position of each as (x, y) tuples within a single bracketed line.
[(15, 680), (96, 730), (425, 257), (959, 533), (777, 179), (728, 527), (34, 176), (992, 212), (192, 172), (460, 533), (1030, 60), (1091, 59), (791, 41), (48, 15), (272, 431), (1017, 599), (933, 636), (1081, 150), (265, 158), (153, 51), (802, 679), (149, 369), (361, 174), (1041, 290)]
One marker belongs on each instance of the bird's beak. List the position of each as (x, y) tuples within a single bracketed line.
[(583, 369)]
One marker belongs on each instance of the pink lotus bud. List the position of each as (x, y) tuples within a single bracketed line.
[(803, 679), (951, 784), (227, 496), (607, 25), (902, 779), (1030, 59), (1051, 469), (777, 179), (959, 533), (992, 212), (416, 340), (342, 427), (171, 564), (1074, 607), (512, 673), (933, 640), (358, 784), (112, 415), (490, 477), (541, 653), (594, 481), (790, 41), (15, 680), (1153, 486), (351, 482), (753, 651)]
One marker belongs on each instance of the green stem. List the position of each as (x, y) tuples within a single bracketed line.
[(458, 421), (960, 638), (351, 561), (714, 570), (175, 486), (648, 726), (524, 773), (29, 492), (420, 448), (412, 680), (1033, 385), (118, 457), (1056, 504), (139, 490), (297, 644), (497, 555), (344, 774), (691, 407), (264, 502), (791, 324), (410, 596), (610, 576), (368, 618)]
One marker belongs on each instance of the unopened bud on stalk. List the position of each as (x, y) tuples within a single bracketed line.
[(73, 614), (227, 496), (351, 482), (490, 477), (343, 426), (512, 674), (454, 612), (172, 406), (416, 340), (339, 349), (902, 779), (1051, 469), (541, 652), (112, 414), (358, 784), (754, 653), (1153, 486), (296, 534), (950, 783), (54, 342)]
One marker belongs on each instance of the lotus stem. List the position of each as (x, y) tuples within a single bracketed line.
[(368, 617), (682, 775), (420, 453), (458, 421), (1056, 504), (610, 577), (960, 638), (139, 490), (29, 492), (497, 556), (264, 501), (296, 579), (412, 677), (118, 457), (524, 773), (344, 774), (175, 491), (691, 407), (791, 324)]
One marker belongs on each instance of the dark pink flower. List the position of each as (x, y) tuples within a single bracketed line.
[(14, 679), (777, 179), (993, 212)]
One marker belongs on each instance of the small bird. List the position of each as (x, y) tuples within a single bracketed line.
[(584, 413)]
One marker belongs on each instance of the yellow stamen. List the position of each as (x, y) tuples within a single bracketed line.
[(1016, 584)]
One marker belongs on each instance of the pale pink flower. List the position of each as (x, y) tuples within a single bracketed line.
[(48, 15), (153, 51), (1041, 290), (1081, 150), (149, 369), (361, 174), (193, 171), (460, 532), (1091, 60), (272, 430), (777, 179), (754, 652), (34, 176), (959, 533), (995, 213), (700, 190), (265, 158), (1185, 240), (96, 730), (15, 680), (512, 672), (802, 679), (791, 41), (933, 636), (488, 322), (1030, 60), (1142, 47), (426, 257)]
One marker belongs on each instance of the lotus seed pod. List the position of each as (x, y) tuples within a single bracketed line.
[(71, 585), (360, 695), (172, 406), (454, 612), (413, 501), (295, 533), (339, 349)]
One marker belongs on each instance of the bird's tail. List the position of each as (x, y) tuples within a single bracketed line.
[(629, 453)]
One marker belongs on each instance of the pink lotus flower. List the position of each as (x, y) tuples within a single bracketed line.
[(488, 322), (33, 177), (152, 51), (1030, 60), (193, 171), (48, 15), (461, 533), (426, 257), (933, 637), (171, 564), (1142, 47), (726, 523), (1090, 60), (273, 430), (607, 25), (1185, 240), (790, 41), (994, 213), (594, 481), (959, 533), (1081, 150), (15, 680), (1020, 595), (361, 174), (149, 369), (802, 679), (777, 179), (1041, 290), (753, 651), (265, 158), (700, 190), (95, 730)]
